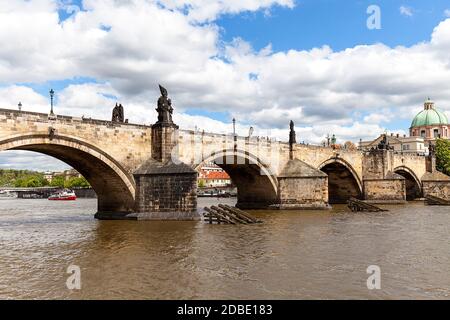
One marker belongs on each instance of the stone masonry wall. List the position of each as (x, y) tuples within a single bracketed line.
[(376, 164), (195, 147), (163, 142), (303, 193), (385, 190), (439, 189), (174, 193)]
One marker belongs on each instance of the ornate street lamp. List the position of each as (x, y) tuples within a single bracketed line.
[(234, 126), (52, 94), (20, 106)]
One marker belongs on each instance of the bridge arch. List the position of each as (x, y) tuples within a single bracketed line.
[(255, 181), (115, 187), (412, 182), (343, 181)]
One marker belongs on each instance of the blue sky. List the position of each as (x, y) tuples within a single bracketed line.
[(215, 65), (337, 23)]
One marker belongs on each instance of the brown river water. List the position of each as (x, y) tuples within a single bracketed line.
[(292, 255)]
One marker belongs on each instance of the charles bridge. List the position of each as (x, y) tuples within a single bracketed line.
[(150, 172)]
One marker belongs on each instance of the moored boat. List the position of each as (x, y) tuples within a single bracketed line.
[(65, 195)]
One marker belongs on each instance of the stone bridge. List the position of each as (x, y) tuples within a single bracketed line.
[(152, 170)]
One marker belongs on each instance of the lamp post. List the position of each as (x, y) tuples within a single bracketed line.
[(52, 94), (20, 106), (234, 134)]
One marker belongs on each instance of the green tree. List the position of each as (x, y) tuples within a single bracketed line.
[(31, 181), (443, 155), (76, 182), (58, 181)]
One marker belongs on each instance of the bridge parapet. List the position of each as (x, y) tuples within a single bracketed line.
[(129, 144)]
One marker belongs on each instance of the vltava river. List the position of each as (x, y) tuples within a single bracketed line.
[(293, 255)]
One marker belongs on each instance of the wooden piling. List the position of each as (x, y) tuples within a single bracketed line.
[(357, 205), (228, 215), (436, 201)]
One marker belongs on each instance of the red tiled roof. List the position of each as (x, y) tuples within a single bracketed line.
[(215, 175)]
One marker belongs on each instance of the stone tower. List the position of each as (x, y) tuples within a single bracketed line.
[(165, 188)]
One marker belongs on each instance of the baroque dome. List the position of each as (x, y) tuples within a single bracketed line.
[(429, 116)]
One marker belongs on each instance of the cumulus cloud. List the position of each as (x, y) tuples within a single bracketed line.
[(26, 160), (207, 10), (129, 47), (32, 101)]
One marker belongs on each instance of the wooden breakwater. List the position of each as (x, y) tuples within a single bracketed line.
[(436, 201), (224, 214), (357, 205)]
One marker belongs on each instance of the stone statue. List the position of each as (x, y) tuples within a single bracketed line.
[(51, 133), (384, 144), (118, 115), (292, 135), (164, 108), (431, 150)]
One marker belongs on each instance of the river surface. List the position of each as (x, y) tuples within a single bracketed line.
[(292, 255)]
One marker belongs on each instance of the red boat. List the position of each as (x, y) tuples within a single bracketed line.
[(66, 195)]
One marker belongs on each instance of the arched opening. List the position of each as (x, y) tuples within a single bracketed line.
[(113, 185), (256, 187), (413, 189), (342, 182)]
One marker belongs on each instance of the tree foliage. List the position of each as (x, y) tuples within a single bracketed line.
[(31, 179), (443, 155), (76, 182), (58, 181), (22, 179), (72, 182)]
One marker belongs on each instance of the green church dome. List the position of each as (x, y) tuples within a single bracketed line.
[(429, 116)]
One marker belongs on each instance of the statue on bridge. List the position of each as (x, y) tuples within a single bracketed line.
[(118, 115), (384, 143), (292, 135), (164, 108), (292, 140), (432, 150)]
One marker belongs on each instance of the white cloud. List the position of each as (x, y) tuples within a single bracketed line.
[(406, 11), (131, 46), (26, 160), (31, 100), (207, 10)]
